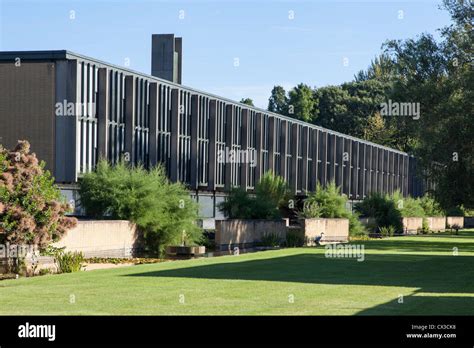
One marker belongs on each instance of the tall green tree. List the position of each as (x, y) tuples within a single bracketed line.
[(278, 101), (301, 103)]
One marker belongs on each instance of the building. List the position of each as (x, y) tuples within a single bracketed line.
[(74, 109)]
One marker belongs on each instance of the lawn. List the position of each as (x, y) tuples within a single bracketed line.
[(422, 269)]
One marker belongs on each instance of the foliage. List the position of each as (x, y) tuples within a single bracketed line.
[(294, 239), (425, 228), (438, 75), (32, 210), (430, 206), (271, 193), (69, 262), (247, 101), (387, 231), (301, 103), (383, 209), (407, 206), (455, 211), (278, 101), (329, 203), (164, 212), (270, 239)]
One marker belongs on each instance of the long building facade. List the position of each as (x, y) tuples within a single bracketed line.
[(75, 109)]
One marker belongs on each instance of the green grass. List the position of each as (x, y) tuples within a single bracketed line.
[(421, 268)]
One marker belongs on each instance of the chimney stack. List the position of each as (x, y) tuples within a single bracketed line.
[(166, 57)]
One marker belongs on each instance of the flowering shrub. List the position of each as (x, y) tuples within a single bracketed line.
[(31, 208)]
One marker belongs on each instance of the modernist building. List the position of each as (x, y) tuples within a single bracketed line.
[(74, 109)]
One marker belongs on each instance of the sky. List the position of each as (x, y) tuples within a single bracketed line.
[(234, 49)]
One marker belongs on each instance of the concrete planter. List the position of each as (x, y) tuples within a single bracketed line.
[(411, 225), (436, 223), (335, 230), (246, 233), (455, 220)]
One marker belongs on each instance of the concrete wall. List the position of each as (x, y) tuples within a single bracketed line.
[(335, 230), (412, 224), (102, 238), (245, 233), (455, 220), (437, 223), (27, 97)]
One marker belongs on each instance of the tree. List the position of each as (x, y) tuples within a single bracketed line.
[(32, 210), (164, 212), (247, 101), (301, 103), (278, 101)]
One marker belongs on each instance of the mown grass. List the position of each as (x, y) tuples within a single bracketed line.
[(415, 275)]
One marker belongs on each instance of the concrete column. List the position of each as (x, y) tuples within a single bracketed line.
[(284, 132), (229, 175), (324, 158), (258, 146), (244, 167), (130, 96), (346, 174), (195, 116), (271, 144), (103, 112), (211, 185), (174, 146), (304, 174), (315, 147), (294, 157), (154, 114)]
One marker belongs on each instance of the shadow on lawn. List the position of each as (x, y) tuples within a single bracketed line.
[(419, 245), (427, 272), (430, 305)]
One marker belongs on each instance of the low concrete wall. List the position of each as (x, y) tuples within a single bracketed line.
[(455, 220), (335, 230), (436, 223), (245, 233), (102, 238), (412, 224)]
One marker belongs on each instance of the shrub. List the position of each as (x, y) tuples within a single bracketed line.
[(425, 228), (270, 239), (164, 212), (430, 206), (387, 231), (329, 203), (294, 239), (271, 193), (408, 206), (455, 211), (32, 210), (69, 262)]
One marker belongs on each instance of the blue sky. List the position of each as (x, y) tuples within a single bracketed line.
[(275, 42)]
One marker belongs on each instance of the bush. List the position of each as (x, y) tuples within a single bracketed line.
[(329, 203), (425, 228), (387, 231), (270, 239), (294, 240), (164, 212), (32, 210), (69, 262), (455, 211), (271, 193), (430, 206)]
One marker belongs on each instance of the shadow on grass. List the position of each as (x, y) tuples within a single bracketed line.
[(420, 245), (428, 273), (428, 305)]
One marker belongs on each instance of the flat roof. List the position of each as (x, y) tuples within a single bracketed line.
[(65, 55)]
